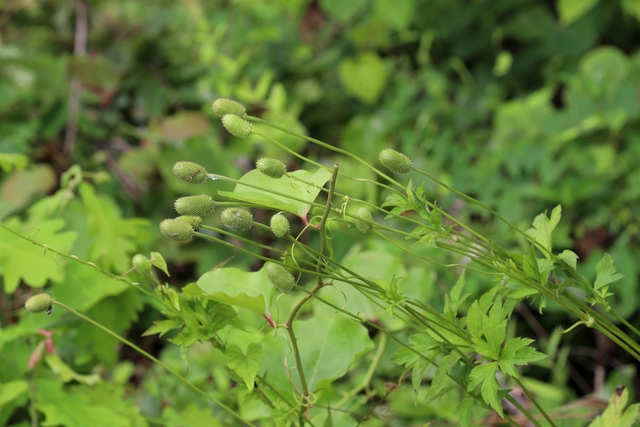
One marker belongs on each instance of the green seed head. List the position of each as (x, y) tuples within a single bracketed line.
[(279, 277), (273, 168), (362, 216), (175, 230), (237, 218), (222, 106), (201, 205), (192, 220), (395, 161), (142, 264), (240, 128), (190, 172), (38, 303), (280, 225)]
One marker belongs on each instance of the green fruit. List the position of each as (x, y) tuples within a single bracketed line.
[(222, 106), (279, 225), (190, 172), (38, 304), (279, 277), (192, 220), (362, 216), (240, 128), (201, 205), (142, 264), (272, 168), (237, 218), (175, 230), (395, 161)]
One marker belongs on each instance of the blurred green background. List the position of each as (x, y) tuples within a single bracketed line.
[(523, 104)]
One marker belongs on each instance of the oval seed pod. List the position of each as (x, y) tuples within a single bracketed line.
[(38, 304), (272, 168), (192, 220), (362, 216), (240, 128), (142, 264), (395, 161), (201, 205), (222, 106), (190, 172), (239, 219), (279, 277), (175, 230), (280, 225)]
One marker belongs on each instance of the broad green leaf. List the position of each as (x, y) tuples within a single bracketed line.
[(115, 239), (571, 10), (615, 415), (238, 288), (606, 272), (11, 390), (364, 77), (543, 228), (66, 373), (191, 415), (158, 261), (22, 260), (245, 365), (294, 196)]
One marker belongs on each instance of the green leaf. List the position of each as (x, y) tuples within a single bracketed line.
[(569, 257), (245, 365), (494, 328), (22, 260), (464, 411), (66, 373), (571, 10), (615, 414), (238, 288), (163, 326), (486, 374), (531, 268), (288, 189), (455, 298), (543, 228), (158, 261), (191, 415), (115, 239), (517, 352), (364, 77), (606, 272), (11, 390)]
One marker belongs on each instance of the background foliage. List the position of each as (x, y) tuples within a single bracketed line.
[(523, 104)]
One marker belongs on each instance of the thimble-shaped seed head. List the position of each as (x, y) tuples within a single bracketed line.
[(190, 172), (222, 106), (273, 168), (279, 277), (175, 230), (237, 218), (362, 216), (240, 128), (395, 161), (279, 225), (38, 303), (142, 264), (201, 205), (192, 220)]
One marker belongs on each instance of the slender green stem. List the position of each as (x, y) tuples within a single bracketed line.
[(522, 409), (156, 361), (534, 400)]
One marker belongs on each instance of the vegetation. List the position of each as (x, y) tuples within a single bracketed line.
[(396, 213)]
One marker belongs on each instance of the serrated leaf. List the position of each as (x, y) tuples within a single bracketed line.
[(485, 374), (494, 328), (157, 260), (543, 228), (245, 365), (464, 412), (22, 260), (163, 326), (615, 414), (606, 272), (455, 298), (517, 352), (287, 188), (530, 266), (173, 297), (570, 258), (404, 357)]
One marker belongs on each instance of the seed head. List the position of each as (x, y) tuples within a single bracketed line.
[(201, 205), (175, 230), (395, 161), (142, 264), (362, 216), (240, 128), (222, 106), (239, 219), (280, 225), (279, 277), (38, 303), (190, 172)]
